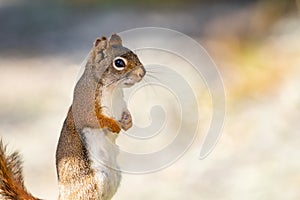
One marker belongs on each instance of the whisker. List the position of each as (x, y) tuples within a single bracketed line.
[(152, 72), (155, 70), (153, 77), (153, 67), (153, 89)]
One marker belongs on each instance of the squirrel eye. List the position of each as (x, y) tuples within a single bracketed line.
[(119, 63)]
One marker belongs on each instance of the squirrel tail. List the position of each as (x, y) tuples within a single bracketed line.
[(11, 176)]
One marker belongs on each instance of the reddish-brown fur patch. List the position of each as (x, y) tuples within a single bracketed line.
[(104, 121), (11, 186)]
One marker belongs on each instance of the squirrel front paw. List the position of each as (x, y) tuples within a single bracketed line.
[(111, 124), (126, 120)]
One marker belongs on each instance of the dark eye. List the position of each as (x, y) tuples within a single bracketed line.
[(119, 63)]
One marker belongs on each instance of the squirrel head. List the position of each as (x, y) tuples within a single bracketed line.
[(113, 64)]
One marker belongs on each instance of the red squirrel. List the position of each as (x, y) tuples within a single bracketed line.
[(90, 125)]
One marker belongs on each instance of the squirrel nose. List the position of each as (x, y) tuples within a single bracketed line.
[(141, 72)]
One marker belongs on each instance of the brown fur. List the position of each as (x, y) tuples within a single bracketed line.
[(73, 164), (104, 121), (11, 176)]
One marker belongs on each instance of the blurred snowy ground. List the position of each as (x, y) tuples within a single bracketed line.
[(258, 154)]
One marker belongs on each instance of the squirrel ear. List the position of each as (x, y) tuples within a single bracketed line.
[(102, 43), (115, 40)]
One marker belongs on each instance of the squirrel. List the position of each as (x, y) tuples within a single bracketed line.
[(86, 152)]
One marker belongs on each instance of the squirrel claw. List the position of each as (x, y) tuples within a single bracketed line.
[(126, 120)]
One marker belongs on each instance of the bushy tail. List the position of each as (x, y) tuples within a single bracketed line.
[(11, 176)]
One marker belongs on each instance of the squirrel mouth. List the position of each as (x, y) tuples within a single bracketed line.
[(129, 82)]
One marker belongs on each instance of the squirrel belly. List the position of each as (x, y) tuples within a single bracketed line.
[(103, 157)]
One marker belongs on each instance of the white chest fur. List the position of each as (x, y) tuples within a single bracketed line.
[(112, 102), (103, 153)]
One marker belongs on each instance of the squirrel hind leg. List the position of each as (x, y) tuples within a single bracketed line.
[(11, 176)]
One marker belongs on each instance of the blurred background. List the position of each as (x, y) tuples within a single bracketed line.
[(255, 45)]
